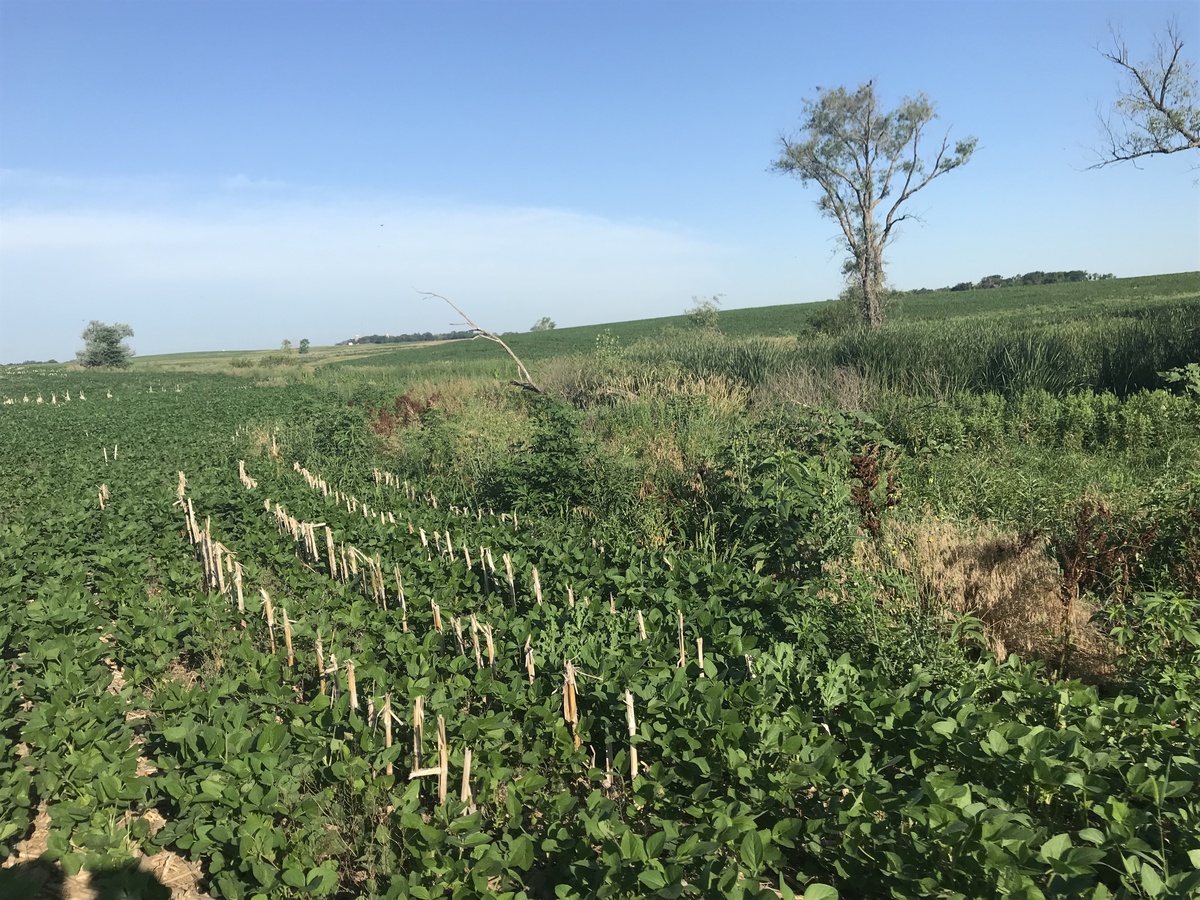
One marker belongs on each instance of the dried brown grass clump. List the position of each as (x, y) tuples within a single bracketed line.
[(180, 673), (454, 395), (662, 453), (1007, 581), (726, 395), (583, 381), (803, 385), (405, 411), (261, 441)]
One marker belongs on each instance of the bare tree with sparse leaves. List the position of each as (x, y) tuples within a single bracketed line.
[(1158, 110), (868, 162)]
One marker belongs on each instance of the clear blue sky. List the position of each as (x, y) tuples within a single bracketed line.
[(224, 175)]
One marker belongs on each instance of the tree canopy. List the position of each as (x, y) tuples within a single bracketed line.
[(1158, 110), (868, 162), (104, 345)]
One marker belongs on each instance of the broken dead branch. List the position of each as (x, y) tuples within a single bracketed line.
[(528, 383)]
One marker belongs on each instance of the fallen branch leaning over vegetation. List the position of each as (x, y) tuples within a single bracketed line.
[(528, 383)]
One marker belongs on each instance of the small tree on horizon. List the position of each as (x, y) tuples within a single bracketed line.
[(705, 312), (103, 345), (285, 345), (304, 345), (545, 323)]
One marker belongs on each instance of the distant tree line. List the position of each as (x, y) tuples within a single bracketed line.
[(1029, 278), (407, 338)]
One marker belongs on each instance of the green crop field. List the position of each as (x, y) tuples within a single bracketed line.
[(1051, 302), (779, 609)]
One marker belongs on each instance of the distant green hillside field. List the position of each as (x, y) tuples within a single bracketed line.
[(1006, 307), (1042, 303)]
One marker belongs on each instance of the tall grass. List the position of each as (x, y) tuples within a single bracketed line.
[(707, 354), (1120, 350), (1122, 353)]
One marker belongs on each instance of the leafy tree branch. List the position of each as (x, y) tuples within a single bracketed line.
[(1158, 112)]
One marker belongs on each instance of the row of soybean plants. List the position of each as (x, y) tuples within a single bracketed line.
[(524, 737)]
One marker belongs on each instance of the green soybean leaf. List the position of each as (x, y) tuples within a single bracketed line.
[(1083, 858), (1152, 884), (520, 853), (654, 844), (652, 878), (752, 850), (1055, 847), (321, 881), (997, 743), (71, 863), (175, 734), (819, 891)]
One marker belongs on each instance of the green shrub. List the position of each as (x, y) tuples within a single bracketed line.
[(1185, 379), (1142, 422), (787, 499), (557, 469)]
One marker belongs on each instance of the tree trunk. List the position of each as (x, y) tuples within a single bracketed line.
[(869, 272), (869, 255), (875, 288)]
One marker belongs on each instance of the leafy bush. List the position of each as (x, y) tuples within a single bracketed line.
[(1184, 378), (789, 499), (555, 469), (705, 312), (834, 317)]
